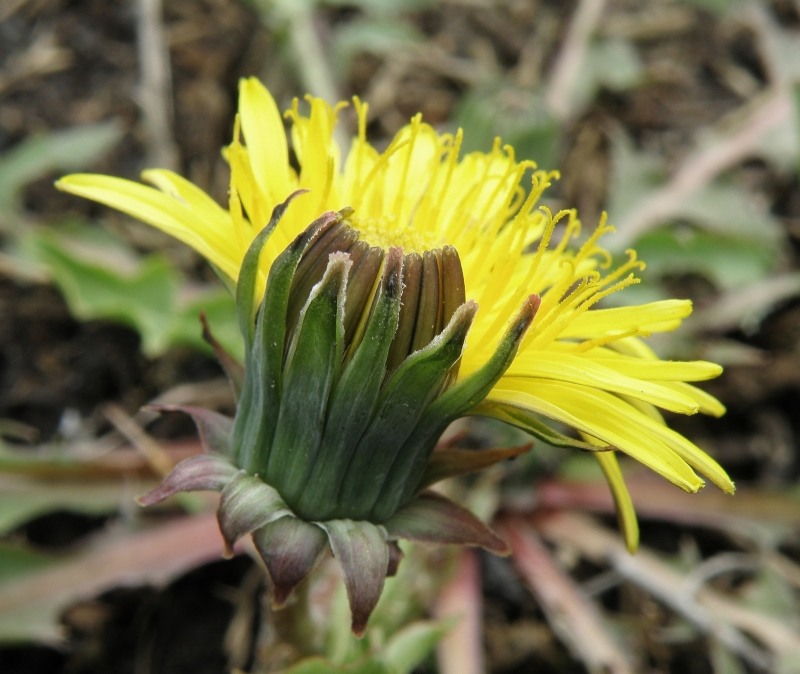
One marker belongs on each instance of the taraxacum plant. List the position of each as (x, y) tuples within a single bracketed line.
[(382, 295)]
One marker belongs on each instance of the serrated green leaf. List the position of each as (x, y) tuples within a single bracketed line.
[(634, 175), (409, 647), (726, 261), (22, 500), (520, 118), (144, 299), (609, 63), (102, 278), (16, 560), (372, 36), (322, 666), (38, 155)]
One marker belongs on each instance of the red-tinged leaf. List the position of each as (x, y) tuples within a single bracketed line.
[(232, 367), (202, 472), (461, 651), (660, 500), (247, 504), (214, 428), (290, 549), (362, 552), (30, 605), (395, 557), (431, 518), (453, 462), (575, 619)]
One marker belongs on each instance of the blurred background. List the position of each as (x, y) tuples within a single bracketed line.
[(677, 117)]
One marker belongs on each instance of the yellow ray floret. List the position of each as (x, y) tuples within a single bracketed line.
[(580, 365)]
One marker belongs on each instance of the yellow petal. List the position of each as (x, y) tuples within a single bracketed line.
[(660, 316), (626, 513), (186, 221), (264, 134), (583, 371), (607, 418)]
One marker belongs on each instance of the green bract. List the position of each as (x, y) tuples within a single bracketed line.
[(351, 356)]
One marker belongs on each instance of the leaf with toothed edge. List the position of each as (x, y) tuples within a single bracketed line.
[(203, 472), (363, 554)]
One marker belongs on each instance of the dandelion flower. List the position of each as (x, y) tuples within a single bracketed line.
[(382, 295)]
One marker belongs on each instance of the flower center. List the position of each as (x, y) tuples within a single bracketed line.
[(433, 282), (386, 232)]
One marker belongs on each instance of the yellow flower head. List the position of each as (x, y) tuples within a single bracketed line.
[(579, 365)]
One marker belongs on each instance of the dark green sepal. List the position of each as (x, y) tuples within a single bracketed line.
[(313, 362), (381, 452), (257, 410), (467, 393), (457, 400), (355, 396), (246, 286)]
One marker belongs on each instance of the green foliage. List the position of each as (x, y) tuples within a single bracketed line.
[(16, 560), (611, 64), (401, 654), (396, 641), (43, 154), (368, 34), (519, 117), (22, 501), (718, 231), (727, 261), (101, 278), (719, 7)]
